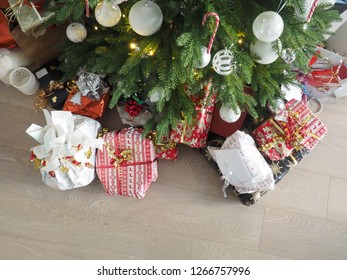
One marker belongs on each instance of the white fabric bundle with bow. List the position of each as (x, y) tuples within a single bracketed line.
[(242, 165), (66, 154)]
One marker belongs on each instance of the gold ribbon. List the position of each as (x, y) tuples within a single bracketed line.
[(123, 156), (159, 145)]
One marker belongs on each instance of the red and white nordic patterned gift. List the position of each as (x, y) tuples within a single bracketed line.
[(271, 141), (195, 135), (308, 128), (127, 164)]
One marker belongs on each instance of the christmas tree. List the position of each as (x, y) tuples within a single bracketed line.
[(165, 50)]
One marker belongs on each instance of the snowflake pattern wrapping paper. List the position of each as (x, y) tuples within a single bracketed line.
[(126, 165)]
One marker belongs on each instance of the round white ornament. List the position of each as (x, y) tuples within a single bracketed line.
[(228, 115), (278, 107), (145, 17), (223, 62), (205, 58), (107, 13), (268, 26), (154, 97), (264, 51), (76, 32), (288, 55)]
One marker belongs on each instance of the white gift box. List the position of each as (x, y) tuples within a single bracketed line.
[(242, 165), (66, 153)]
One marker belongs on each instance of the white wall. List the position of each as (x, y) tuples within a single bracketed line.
[(338, 42)]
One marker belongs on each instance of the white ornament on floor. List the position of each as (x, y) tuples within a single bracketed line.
[(268, 26), (108, 13), (76, 32), (145, 17), (228, 115)]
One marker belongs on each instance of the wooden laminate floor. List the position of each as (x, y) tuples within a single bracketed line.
[(184, 214)]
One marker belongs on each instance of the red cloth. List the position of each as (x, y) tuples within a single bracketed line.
[(6, 39)]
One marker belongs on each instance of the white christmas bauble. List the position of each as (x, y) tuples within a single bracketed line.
[(264, 51), (268, 26), (107, 13), (154, 97), (228, 115), (76, 32), (288, 55), (223, 62), (205, 58), (278, 107), (145, 17)]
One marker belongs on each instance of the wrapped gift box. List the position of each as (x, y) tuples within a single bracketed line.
[(83, 105), (135, 121), (195, 135), (89, 95), (66, 154), (251, 196), (30, 15), (280, 168), (270, 140), (165, 148), (126, 165), (299, 122)]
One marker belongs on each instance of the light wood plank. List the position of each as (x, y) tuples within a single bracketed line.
[(337, 208), (34, 229), (297, 236), (329, 158), (301, 192)]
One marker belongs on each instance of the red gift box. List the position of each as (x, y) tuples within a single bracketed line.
[(302, 124), (127, 164), (271, 141), (83, 105), (165, 148), (196, 135)]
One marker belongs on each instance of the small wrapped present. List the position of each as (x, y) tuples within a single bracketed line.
[(133, 114), (165, 148), (300, 126), (242, 165), (66, 154), (126, 165), (271, 141), (29, 15), (87, 98), (196, 135), (281, 167)]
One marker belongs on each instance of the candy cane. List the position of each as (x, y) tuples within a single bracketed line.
[(87, 9), (313, 5), (215, 30)]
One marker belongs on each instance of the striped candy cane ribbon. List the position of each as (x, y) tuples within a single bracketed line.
[(312, 6), (87, 9), (215, 30)]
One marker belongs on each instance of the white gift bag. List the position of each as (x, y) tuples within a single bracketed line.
[(66, 154), (242, 165)]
